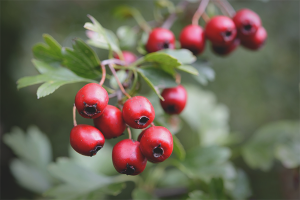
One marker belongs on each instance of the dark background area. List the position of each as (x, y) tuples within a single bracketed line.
[(258, 87)]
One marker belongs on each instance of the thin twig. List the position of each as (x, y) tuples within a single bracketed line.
[(118, 81), (205, 17), (103, 74), (172, 17), (74, 115), (228, 7), (178, 78), (203, 4), (221, 7), (152, 124), (129, 132), (112, 95), (113, 61)]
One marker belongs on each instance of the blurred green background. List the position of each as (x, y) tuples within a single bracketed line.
[(258, 87)]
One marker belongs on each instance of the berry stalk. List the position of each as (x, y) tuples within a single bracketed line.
[(118, 81), (103, 74), (203, 4), (74, 115)]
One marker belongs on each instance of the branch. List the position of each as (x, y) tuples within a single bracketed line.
[(172, 17), (118, 81)]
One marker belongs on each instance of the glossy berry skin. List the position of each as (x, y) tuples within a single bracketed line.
[(127, 157), (138, 112), (111, 122), (220, 30), (192, 37), (156, 144), (227, 49), (247, 23), (129, 57), (257, 40), (86, 139), (159, 39), (175, 99), (91, 100)]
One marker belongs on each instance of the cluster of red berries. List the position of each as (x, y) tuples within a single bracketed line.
[(224, 33), (154, 144)]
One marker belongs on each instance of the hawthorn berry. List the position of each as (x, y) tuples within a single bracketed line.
[(138, 112), (192, 37), (159, 39), (220, 30), (156, 143), (129, 57), (257, 40), (111, 122), (175, 99), (226, 49), (91, 100), (247, 22), (86, 139), (127, 157)]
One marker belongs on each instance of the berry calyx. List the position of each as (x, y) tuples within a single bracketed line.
[(129, 57), (175, 99), (220, 30), (138, 112), (247, 22), (257, 40), (91, 100), (111, 122), (192, 37), (226, 49), (159, 39), (127, 157), (156, 143), (86, 139)]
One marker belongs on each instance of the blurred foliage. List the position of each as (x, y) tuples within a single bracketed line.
[(257, 87)]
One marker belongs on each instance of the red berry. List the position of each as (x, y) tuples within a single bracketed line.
[(247, 22), (159, 39), (128, 158), (129, 57), (220, 30), (192, 37), (138, 112), (257, 40), (86, 139), (175, 99), (111, 122), (91, 100), (227, 49), (156, 144)]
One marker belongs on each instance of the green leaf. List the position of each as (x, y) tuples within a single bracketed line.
[(178, 148), (242, 186), (54, 77), (188, 69), (122, 75), (163, 61), (158, 77), (141, 43), (33, 147), (49, 52), (138, 194), (205, 73), (216, 189), (30, 176), (127, 37), (172, 178), (275, 140), (155, 89), (183, 56), (100, 37), (82, 60), (198, 195)]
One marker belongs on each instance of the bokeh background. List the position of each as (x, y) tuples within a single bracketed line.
[(258, 87)]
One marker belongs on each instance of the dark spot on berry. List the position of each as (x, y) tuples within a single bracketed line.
[(129, 170), (166, 45), (158, 151), (171, 109), (228, 33), (90, 110), (94, 151), (142, 121), (247, 27)]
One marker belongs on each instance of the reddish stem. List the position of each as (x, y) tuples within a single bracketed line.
[(103, 74), (199, 11), (74, 115), (129, 132), (118, 81)]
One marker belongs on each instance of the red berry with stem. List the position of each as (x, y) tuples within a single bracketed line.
[(127, 157), (129, 57), (257, 40), (138, 112), (247, 22), (111, 122), (220, 30), (192, 37), (159, 39), (156, 143), (91, 100), (175, 99), (227, 49), (86, 139)]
